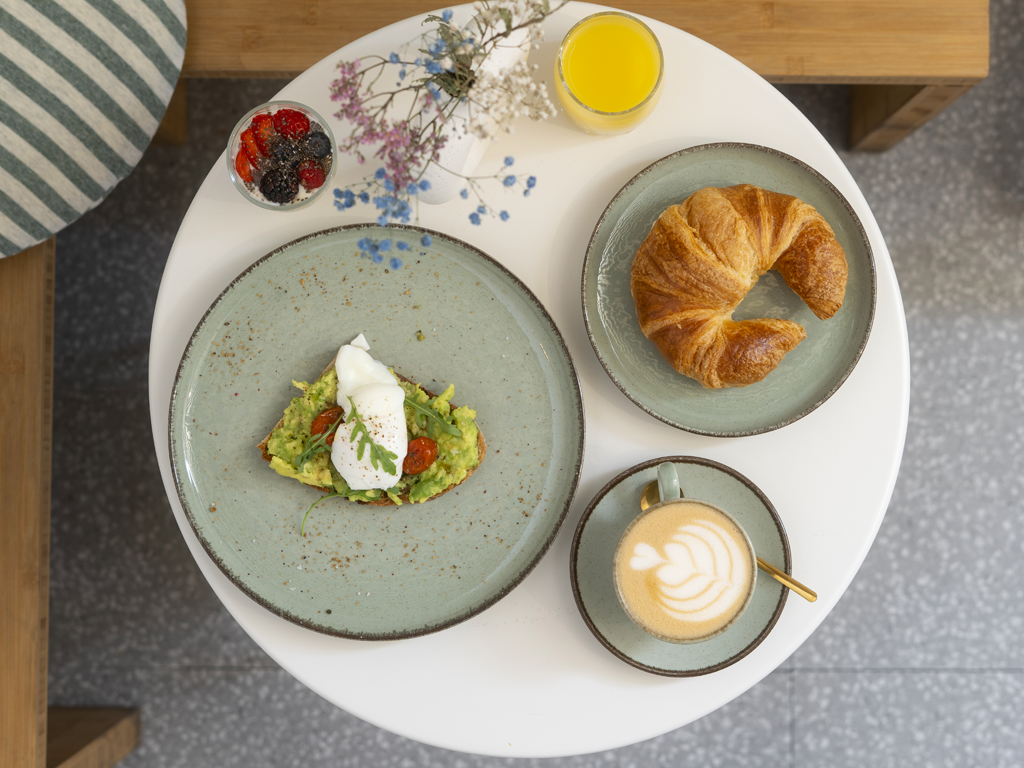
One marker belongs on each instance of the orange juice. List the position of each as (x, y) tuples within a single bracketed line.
[(608, 73)]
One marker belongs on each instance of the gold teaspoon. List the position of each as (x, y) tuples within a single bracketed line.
[(650, 496)]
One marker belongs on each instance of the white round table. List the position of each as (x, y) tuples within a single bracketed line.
[(526, 678)]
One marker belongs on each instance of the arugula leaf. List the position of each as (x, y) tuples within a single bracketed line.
[(379, 456), (317, 445), (422, 409), (332, 494)]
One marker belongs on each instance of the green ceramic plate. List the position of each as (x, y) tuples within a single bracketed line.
[(593, 549), (368, 572), (807, 376)]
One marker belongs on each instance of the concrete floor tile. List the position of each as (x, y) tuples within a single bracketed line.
[(933, 719), (225, 717)]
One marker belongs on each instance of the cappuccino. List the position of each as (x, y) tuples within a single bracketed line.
[(684, 571)]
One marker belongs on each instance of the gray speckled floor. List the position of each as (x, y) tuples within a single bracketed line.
[(921, 663)]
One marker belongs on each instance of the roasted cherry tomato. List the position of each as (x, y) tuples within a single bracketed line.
[(324, 421), (422, 452)]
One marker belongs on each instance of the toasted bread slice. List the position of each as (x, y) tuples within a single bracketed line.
[(385, 502)]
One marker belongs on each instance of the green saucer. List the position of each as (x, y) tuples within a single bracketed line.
[(593, 549), (806, 377)]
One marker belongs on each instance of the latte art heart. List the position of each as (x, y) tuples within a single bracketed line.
[(701, 575), (684, 571)]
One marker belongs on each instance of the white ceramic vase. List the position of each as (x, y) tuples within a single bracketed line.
[(463, 151)]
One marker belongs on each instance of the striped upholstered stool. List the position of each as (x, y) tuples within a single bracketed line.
[(83, 87)]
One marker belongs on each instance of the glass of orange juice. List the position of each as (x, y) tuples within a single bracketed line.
[(609, 72)]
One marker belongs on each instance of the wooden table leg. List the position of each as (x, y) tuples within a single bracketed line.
[(92, 737), (78, 738), (173, 129), (883, 115), (26, 394)]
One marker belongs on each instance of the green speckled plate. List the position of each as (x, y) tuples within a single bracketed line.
[(369, 572), (593, 549), (806, 377)]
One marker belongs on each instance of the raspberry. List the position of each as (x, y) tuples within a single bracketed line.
[(279, 186), (291, 124), (311, 174), (316, 144), (243, 168), (248, 141), (263, 132)]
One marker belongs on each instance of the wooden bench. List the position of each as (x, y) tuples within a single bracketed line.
[(32, 735), (906, 60)]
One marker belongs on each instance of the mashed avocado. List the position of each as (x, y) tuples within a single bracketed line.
[(455, 455)]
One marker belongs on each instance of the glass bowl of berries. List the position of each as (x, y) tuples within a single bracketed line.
[(281, 155)]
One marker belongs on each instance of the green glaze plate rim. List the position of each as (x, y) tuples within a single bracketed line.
[(806, 378), (599, 605), (527, 324)]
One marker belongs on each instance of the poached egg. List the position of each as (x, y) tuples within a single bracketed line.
[(381, 405)]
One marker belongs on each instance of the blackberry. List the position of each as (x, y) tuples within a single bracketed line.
[(316, 144), (280, 186), (287, 154)]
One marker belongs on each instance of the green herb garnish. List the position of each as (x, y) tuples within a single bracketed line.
[(302, 528), (379, 456), (421, 409), (317, 445)]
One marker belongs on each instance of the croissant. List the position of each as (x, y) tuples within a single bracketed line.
[(701, 258)]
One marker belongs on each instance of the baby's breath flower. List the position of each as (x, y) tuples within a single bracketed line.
[(441, 71)]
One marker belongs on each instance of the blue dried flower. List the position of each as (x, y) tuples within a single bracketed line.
[(424, 185), (481, 209), (509, 180), (376, 258), (384, 245), (509, 160), (446, 16), (504, 215), (393, 58), (364, 197), (395, 263), (531, 182), (380, 173), (475, 218), (464, 194), (426, 241), (402, 245)]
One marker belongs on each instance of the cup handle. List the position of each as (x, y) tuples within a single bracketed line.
[(668, 481)]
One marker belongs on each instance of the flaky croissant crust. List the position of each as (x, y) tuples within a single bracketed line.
[(703, 256)]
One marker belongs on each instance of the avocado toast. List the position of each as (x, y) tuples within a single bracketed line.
[(460, 444)]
